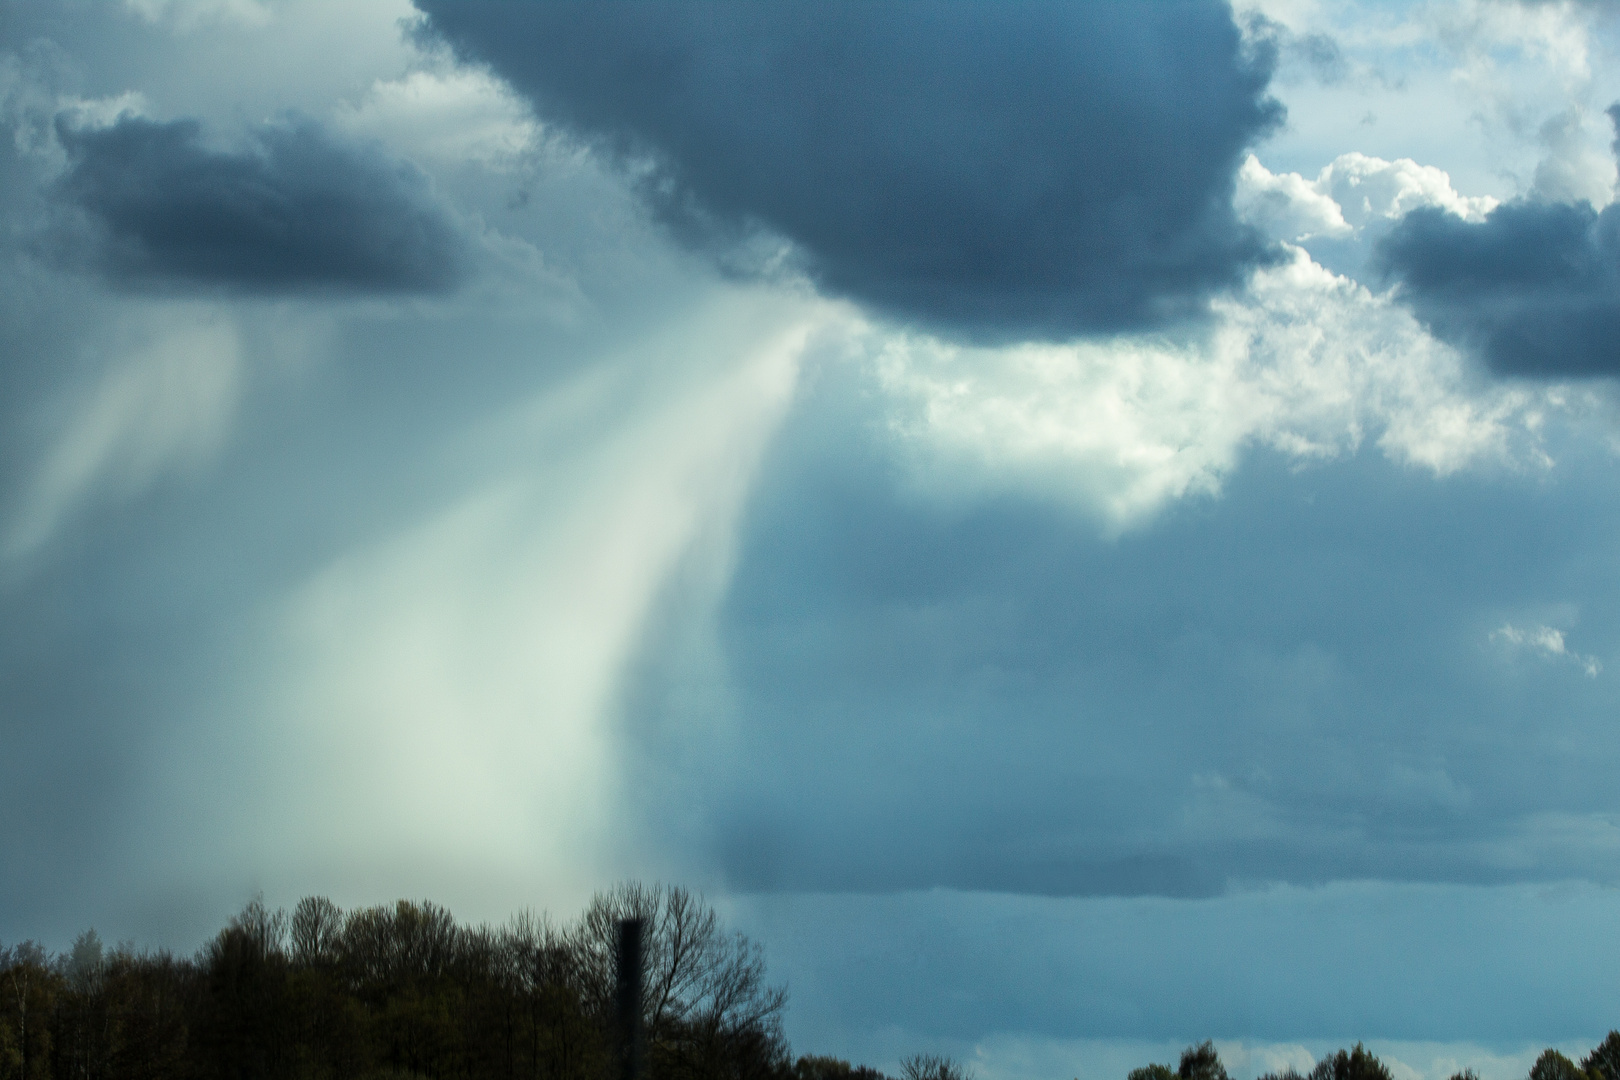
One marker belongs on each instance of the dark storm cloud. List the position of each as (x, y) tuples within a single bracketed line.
[(1534, 289), (296, 211), (1011, 170)]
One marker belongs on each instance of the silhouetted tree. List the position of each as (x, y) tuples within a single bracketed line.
[(1152, 1072), (30, 991), (149, 1001), (1201, 1062), (243, 1030), (1357, 1064), (1603, 1063), (316, 932), (709, 1011), (932, 1067), (81, 1017), (559, 1036), (400, 963), (1552, 1065), (813, 1067)]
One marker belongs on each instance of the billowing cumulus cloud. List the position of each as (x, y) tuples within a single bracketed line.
[(1352, 203), (294, 211), (1029, 170), (1310, 364)]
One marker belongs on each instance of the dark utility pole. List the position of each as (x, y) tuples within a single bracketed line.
[(629, 997)]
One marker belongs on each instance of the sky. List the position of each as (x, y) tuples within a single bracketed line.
[(1081, 528)]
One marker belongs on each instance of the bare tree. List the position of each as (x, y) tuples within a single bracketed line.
[(263, 930), (699, 978), (932, 1067), (317, 931), (540, 953)]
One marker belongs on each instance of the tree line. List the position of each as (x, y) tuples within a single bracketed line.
[(1201, 1062), (403, 992)]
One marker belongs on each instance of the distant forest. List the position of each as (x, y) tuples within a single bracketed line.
[(405, 993), (1203, 1063)]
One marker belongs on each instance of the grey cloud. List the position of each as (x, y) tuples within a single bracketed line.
[(1295, 682), (1025, 170), (151, 204), (1534, 289)]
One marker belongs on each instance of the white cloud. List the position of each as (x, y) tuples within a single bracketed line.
[(1413, 1060), (1265, 1058), (1306, 362), (1350, 193), (1487, 37), (1367, 188), (1548, 642), (1287, 205)]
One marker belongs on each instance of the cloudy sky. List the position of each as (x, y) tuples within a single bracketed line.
[(1081, 527)]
